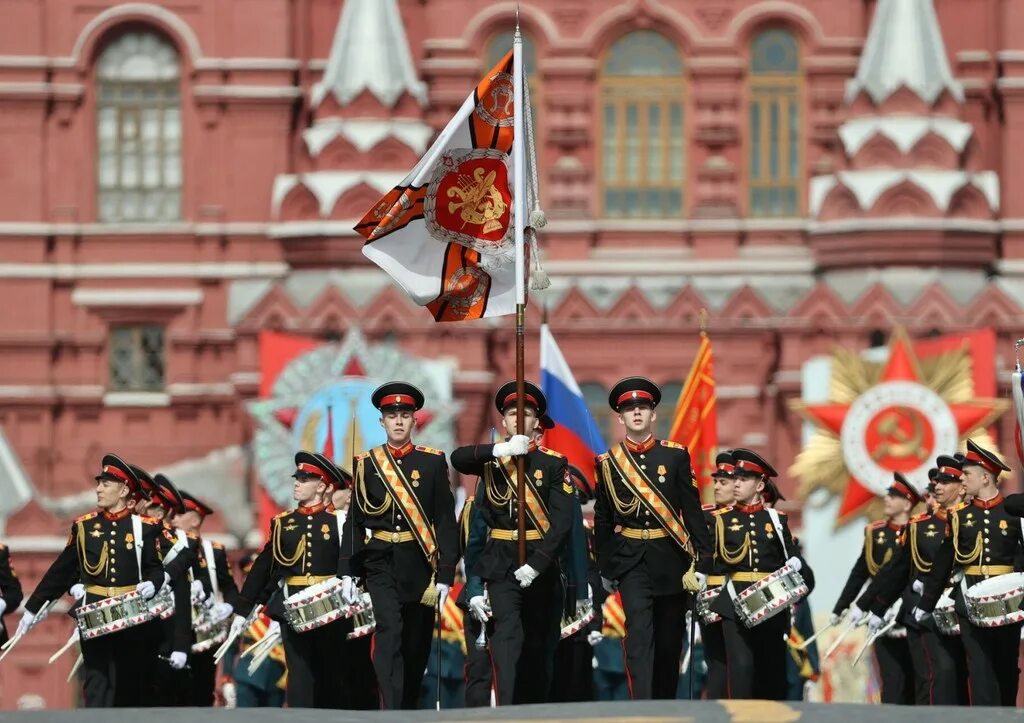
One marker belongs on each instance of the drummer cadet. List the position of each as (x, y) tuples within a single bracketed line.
[(649, 532), (112, 552), (724, 491), (526, 599), (216, 577), (477, 671), (882, 540), (938, 660), (302, 549), (752, 542), (171, 685), (402, 498), (984, 542)]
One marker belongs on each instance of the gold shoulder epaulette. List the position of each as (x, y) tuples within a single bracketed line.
[(429, 450), (876, 524), (87, 516), (552, 452), (362, 455), (279, 515), (217, 545), (150, 520), (921, 517), (670, 443), (603, 456), (722, 510), (709, 508)]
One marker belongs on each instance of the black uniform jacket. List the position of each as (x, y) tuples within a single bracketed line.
[(100, 553), (748, 542), (373, 510), (983, 540), (548, 473), (667, 467), (881, 540), (10, 589)]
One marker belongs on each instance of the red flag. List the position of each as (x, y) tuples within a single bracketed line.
[(695, 424)]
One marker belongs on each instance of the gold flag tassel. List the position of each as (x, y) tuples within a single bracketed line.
[(431, 595), (690, 581)]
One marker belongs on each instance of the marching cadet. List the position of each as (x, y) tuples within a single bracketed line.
[(477, 670), (10, 590), (711, 633), (114, 667), (984, 541), (649, 532), (753, 541), (216, 577), (938, 660), (302, 549), (172, 685), (881, 540), (403, 498), (526, 599)]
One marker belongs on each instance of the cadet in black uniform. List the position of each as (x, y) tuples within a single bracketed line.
[(477, 670), (938, 660), (302, 549), (526, 599), (403, 498), (10, 590), (724, 490), (984, 541), (649, 531), (101, 554), (217, 578), (752, 542)]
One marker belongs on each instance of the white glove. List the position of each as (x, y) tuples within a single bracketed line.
[(167, 579), (920, 615), (348, 590), (610, 586), (702, 579), (237, 625), (146, 589), (77, 591), (517, 444), (874, 623), (25, 623), (525, 575), (230, 695), (479, 608), (198, 593), (855, 616), (178, 660), (809, 689), (794, 562), (918, 586), (594, 637), (274, 628), (834, 619), (442, 595), (222, 611)]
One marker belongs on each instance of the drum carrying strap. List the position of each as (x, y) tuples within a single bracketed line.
[(137, 532), (777, 524), (211, 565), (183, 540), (174, 552)]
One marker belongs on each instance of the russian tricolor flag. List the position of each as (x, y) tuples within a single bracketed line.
[(575, 434)]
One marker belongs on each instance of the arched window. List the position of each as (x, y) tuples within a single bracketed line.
[(670, 392), (138, 125), (775, 159), (643, 168), (596, 397)]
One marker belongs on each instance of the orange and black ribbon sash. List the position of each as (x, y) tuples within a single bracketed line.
[(635, 479), (398, 488), (534, 505)]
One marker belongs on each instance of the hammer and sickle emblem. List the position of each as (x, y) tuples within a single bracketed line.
[(895, 441)]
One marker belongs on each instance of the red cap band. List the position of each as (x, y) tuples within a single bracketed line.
[(312, 469), (748, 465), (397, 399), (512, 398), (986, 463), (904, 491), (951, 472), (191, 505), (117, 472), (725, 467), (637, 395)]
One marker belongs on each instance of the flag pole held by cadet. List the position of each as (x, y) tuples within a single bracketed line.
[(519, 216)]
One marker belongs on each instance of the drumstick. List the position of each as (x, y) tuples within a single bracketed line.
[(226, 645), (75, 667), (258, 660), (9, 645), (686, 662), (839, 639), (66, 647), (804, 644), (267, 641), (255, 647), (873, 637)]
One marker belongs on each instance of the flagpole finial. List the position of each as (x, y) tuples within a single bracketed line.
[(517, 18), (702, 320)]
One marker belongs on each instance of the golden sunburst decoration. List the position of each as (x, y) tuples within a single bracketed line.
[(891, 416)]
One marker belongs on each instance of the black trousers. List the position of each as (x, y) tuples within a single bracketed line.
[(315, 668), (358, 678), (526, 627), (923, 673), (477, 671), (204, 678), (895, 670), (713, 636), (947, 668), (117, 668), (573, 678), (655, 626), (401, 642), (992, 662), (756, 658)]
